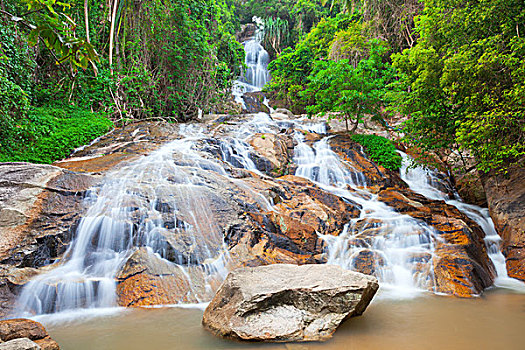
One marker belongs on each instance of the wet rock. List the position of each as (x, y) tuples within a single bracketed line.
[(373, 175), (254, 102), (276, 150), (39, 204), (120, 146), (25, 330), (506, 201), (289, 233), (287, 302), (284, 111), (367, 261), (146, 279), (462, 266)]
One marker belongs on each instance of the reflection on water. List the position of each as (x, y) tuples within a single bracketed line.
[(495, 321)]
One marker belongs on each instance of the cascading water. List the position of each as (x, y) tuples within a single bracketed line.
[(139, 205), (398, 242), (255, 75), (161, 201), (428, 183)]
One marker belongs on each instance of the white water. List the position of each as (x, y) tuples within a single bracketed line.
[(256, 74), (397, 242), (141, 204), (427, 183)]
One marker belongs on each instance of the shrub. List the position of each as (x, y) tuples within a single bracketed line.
[(380, 150), (52, 133)]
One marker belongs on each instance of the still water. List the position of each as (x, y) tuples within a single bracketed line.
[(494, 321)]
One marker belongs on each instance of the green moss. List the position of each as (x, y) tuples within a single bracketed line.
[(380, 150), (52, 133)]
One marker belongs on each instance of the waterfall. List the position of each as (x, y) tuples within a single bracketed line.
[(163, 197), (134, 207), (428, 183), (255, 75), (397, 242)]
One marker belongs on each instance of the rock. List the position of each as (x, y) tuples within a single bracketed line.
[(506, 201), (146, 279), (470, 189), (287, 302), (276, 150), (17, 332), (461, 265), (20, 344), (246, 32), (375, 176), (284, 111), (254, 102), (38, 206)]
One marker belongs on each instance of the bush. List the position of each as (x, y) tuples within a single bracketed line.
[(52, 133), (380, 150)]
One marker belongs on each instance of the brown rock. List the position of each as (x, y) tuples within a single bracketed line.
[(147, 280), (287, 302), (463, 267), (23, 328), (506, 201), (276, 149)]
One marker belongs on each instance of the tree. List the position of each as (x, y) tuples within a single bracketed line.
[(352, 92), (49, 23), (464, 81)]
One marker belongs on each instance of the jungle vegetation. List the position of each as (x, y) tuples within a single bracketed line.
[(454, 69)]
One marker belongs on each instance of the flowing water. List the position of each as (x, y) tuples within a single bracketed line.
[(160, 199), (398, 242), (432, 185), (162, 195), (255, 75)]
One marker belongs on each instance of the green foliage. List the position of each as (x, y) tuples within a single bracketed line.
[(380, 150), (290, 71), (51, 133), (50, 22), (352, 91), (14, 106), (465, 81)]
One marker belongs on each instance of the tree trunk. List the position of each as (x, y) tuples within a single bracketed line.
[(86, 19), (356, 123), (112, 34)]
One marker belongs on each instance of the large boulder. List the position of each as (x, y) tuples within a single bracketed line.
[(506, 201), (23, 332), (287, 302)]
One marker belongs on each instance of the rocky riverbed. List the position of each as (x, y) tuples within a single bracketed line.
[(240, 185)]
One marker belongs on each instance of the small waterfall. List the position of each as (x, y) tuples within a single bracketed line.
[(398, 248), (140, 205), (429, 184), (256, 74)]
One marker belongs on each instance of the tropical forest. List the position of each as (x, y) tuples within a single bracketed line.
[(262, 174)]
